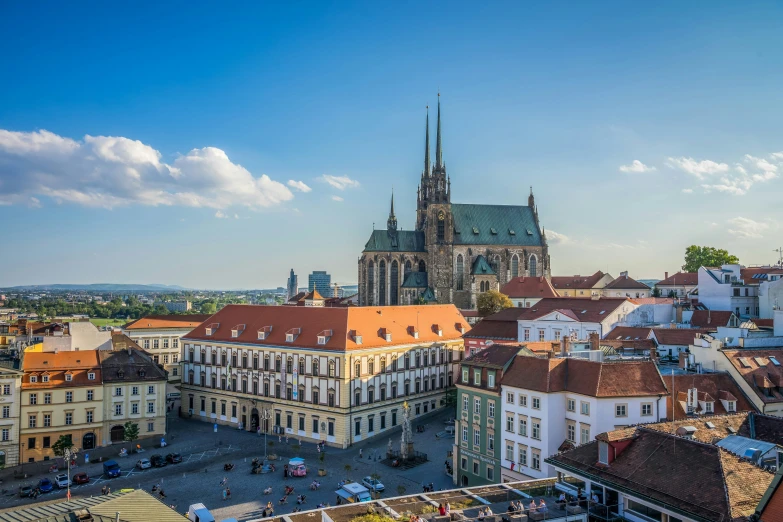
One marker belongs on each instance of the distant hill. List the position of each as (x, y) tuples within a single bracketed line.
[(101, 287)]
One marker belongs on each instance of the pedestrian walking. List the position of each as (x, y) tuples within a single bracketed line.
[(280, 438), (360, 452), (108, 490), (285, 471), (224, 494), (258, 430), (228, 492), (224, 481)]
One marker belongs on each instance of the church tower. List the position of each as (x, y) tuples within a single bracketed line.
[(435, 186)]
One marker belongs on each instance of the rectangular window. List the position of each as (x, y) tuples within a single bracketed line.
[(585, 435), (475, 467), (223, 409), (646, 409), (6, 389), (118, 391), (69, 396), (301, 423), (464, 463), (620, 410), (464, 434), (33, 398), (6, 412), (68, 418), (536, 403), (490, 442), (522, 456), (47, 398), (571, 432), (477, 377), (289, 421), (330, 428), (523, 426), (491, 379), (165, 343), (118, 409), (47, 420), (571, 405), (150, 407), (6, 434), (510, 398), (134, 390), (585, 408), (536, 425), (134, 408), (541, 335), (465, 375), (150, 426), (535, 461), (383, 421), (89, 416), (465, 402), (151, 390), (523, 401), (370, 424), (357, 428), (510, 423), (156, 344), (315, 425), (510, 451), (490, 473), (527, 334), (557, 335), (32, 421), (47, 442), (476, 437), (491, 409), (477, 406)]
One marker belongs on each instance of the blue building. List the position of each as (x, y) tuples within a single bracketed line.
[(321, 281), (292, 284)]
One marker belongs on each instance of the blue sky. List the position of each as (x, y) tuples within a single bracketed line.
[(125, 132)]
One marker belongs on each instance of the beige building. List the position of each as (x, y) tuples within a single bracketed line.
[(338, 375), (134, 389), (62, 394), (581, 286), (10, 394), (159, 335)]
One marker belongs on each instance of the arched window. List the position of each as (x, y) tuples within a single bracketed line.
[(533, 267), (422, 266), (407, 269), (370, 283), (371, 366), (332, 371), (394, 363), (314, 366), (301, 366), (382, 283), (358, 369), (191, 377), (383, 364), (515, 266), (441, 228), (495, 264), (460, 272), (395, 283)]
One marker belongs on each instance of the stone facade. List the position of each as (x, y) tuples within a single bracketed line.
[(456, 252)]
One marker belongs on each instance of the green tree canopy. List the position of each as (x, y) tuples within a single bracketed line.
[(492, 302), (65, 442), (696, 256), (209, 307), (131, 431)]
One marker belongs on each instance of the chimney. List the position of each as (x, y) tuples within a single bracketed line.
[(678, 314), (594, 341), (666, 275), (117, 517), (564, 346), (709, 316)]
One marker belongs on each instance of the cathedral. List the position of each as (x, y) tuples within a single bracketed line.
[(457, 250)]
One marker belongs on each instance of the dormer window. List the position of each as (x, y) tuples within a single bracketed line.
[(212, 328), (603, 453), (292, 334), (142, 373), (357, 337), (324, 336), (511, 232), (413, 332), (68, 377), (460, 328), (90, 376), (438, 330), (237, 330), (264, 332), (386, 334), (120, 374), (732, 406), (709, 407), (45, 378)]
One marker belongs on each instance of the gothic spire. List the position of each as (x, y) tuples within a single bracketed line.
[(438, 147), (427, 145), (391, 223)]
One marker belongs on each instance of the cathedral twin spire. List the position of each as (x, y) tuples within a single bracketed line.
[(435, 185)]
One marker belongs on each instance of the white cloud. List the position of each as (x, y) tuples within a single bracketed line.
[(700, 169), (110, 171), (236, 216), (777, 155), (636, 166), (556, 238), (220, 215), (337, 198), (687, 191), (298, 185), (339, 182), (745, 228)]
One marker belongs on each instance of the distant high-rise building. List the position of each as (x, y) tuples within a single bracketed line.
[(321, 281), (292, 286)]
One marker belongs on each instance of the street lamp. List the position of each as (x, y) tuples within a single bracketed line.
[(68, 453), (266, 414)]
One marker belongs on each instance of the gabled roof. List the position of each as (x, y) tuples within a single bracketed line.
[(628, 333), (416, 280), (399, 241), (626, 283), (680, 279), (489, 329), (495, 225), (157, 322), (127, 362), (343, 321), (312, 295), (576, 282), (535, 287), (481, 267), (690, 477), (746, 363), (716, 385), (677, 336), (429, 296), (710, 318), (496, 356), (586, 310)]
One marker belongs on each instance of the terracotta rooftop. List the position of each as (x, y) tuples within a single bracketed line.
[(770, 508), (711, 318), (590, 378), (576, 282), (352, 327), (529, 287), (677, 336), (158, 322), (680, 279), (497, 355), (626, 283), (757, 367), (717, 385), (127, 362), (696, 479), (584, 310), (57, 365), (628, 333)]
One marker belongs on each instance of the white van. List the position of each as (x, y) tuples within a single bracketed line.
[(199, 513)]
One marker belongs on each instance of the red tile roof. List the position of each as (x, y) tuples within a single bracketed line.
[(584, 310), (157, 322), (577, 281), (677, 336), (626, 283), (746, 274), (710, 318), (746, 363), (529, 287), (56, 365), (651, 300), (595, 379), (764, 322), (680, 279), (628, 333), (717, 385), (344, 322)]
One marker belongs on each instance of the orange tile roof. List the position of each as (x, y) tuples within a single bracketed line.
[(736, 421), (158, 322), (56, 365), (745, 485), (677, 336), (577, 281), (755, 374), (529, 287), (710, 318), (344, 323), (717, 385)]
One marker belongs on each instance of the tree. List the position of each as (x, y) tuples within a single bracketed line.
[(131, 431), (696, 257), (492, 302), (419, 301), (63, 444), (209, 307), (656, 292)]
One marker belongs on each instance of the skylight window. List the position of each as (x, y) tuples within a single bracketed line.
[(760, 361), (511, 232), (745, 363), (475, 230), (493, 231), (773, 360)]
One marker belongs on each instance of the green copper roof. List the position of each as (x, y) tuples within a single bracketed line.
[(401, 241), (415, 280), (428, 295), (495, 225), (481, 267)]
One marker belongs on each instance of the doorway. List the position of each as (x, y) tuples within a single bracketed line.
[(117, 434), (88, 441), (464, 480), (254, 418)]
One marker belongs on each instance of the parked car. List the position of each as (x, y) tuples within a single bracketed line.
[(111, 469), (373, 484), (174, 458), (144, 464), (26, 490), (158, 461), (45, 485), (81, 478), (61, 481)]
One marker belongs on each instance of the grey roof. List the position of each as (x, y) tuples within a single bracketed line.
[(415, 280), (737, 444), (495, 225), (399, 241), (481, 267)]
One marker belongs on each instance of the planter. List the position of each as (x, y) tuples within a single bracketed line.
[(271, 456), (321, 472)]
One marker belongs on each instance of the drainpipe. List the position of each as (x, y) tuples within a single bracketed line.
[(350, 404)]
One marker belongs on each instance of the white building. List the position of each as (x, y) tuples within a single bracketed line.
[(680, 285), (735, 288), (770, 294), (552, 404), (553, 319), (625, 286), (10, 395), (524, 292)]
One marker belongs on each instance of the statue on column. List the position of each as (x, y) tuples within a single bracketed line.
[(406, 439)]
